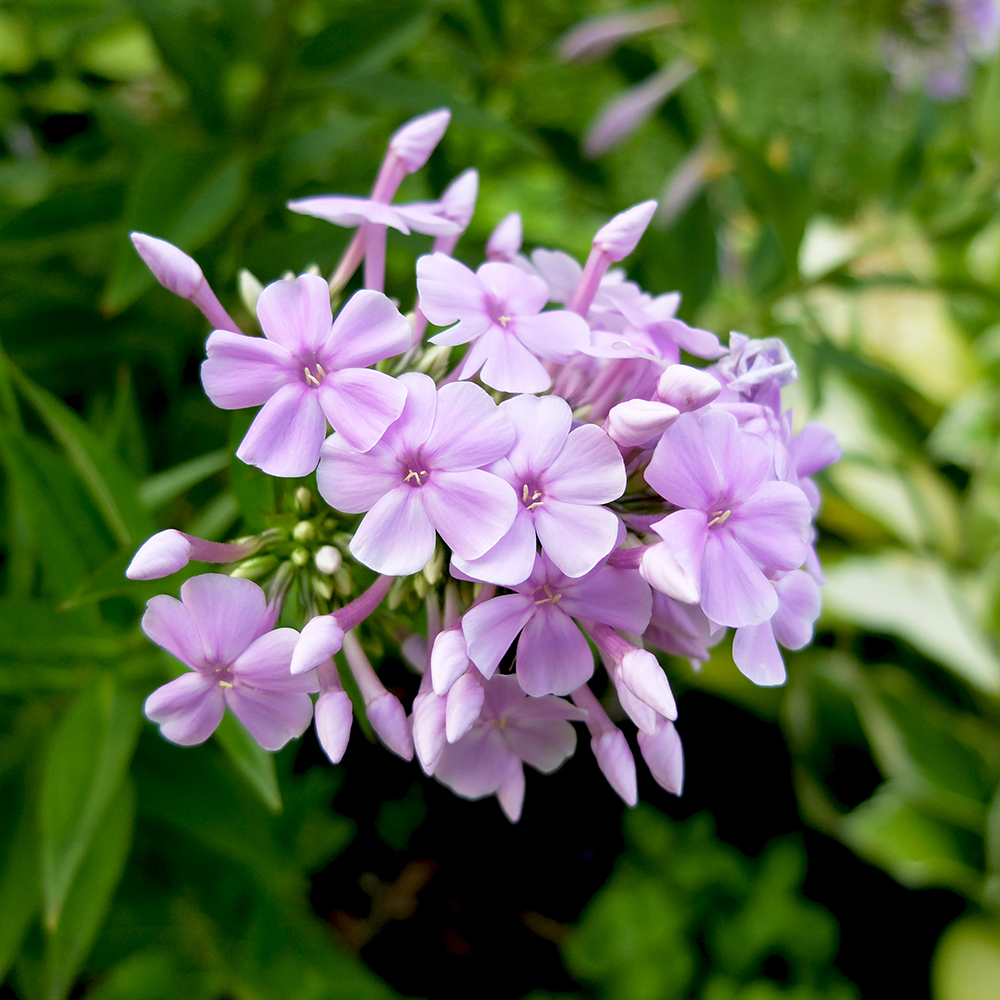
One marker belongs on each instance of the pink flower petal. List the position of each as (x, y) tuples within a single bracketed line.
[(616, 597), (513, 291), (644, 677), (574, 536), (510, 561), (757, 655), (350, 212), (555, 336), (169, 624), (272, 718), (470, 431), (286, 436), (266, 663), (448, 290), (772, 525), (333, 717), (354, 481), (541, 425), (664, 756), (543, 743), (614, 757), (674, 566), (396, 536), (244, 371), (471, 510), (553, 657), (296, 313), (682, 469), (509, 365), (368, 329), (477, 765), (510, 794), (589, 470), (799, 605), (226, 611), (360, 404), (188, 709), (492, 626), (733, 590), (465, 699)]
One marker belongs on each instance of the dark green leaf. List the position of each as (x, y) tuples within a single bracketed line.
[(254, 763), (159, 490)]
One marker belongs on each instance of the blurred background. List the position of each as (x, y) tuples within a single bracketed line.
[(827, 172)]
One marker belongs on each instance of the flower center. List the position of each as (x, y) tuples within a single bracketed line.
[(317, 379), (531, 498), (719, 517), (415, 478), (549, 597), (225, 678)]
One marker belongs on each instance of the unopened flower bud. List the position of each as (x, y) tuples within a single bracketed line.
[(664, 755), (343, 583), (414, 142), (255, 568), (619, 237), (322, 586), (465, 699), (328, 559), (637, 421), (304, 531), (303, 501), (687, 388), (505, 241), (300, 557), (250, 289)]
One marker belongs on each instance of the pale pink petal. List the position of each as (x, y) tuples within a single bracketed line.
[(417, 419), (757, 655), (368, 329), (422, 218), (505, 240), (286, 436), (388, 719), (343, 210), (543, 743), (575, 537), (470, 431), (589, 469), (509, 365), (517, 293), (772, 525), (360, 404), (637, 710), (169, 624), (160, 555), (415, 140), (429, 729), (556, 335), (471, 510), (510, 794), (553, 657), (743, 459), (333, 718), (687, 388), (354, 481), (674, 566), (448, 290), (266, 664), (541, 425), (245, 371), (226, 611), (492, 626), (272, 718), (188, 709), (616, 597), (614, 757), (644, 677), (560, 271), (814, 448), (799, 605), (296, 313), (664, 756), (733, 590), (465, 699), (510, 561), (396, 536), (463, 331), (477, 765), (449, 659), (320, 639), (547, 707), (681, 469)]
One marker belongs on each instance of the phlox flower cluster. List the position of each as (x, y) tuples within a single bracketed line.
[(543, 482)]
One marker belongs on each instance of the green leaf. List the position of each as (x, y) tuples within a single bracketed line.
[(86, 905), (87, 760), (181, 195), (254, 763), (34, 630), (19, 878), (157, 491), (254, 491), (105, 477)]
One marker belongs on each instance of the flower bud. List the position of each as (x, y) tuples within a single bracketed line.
[(687, 388), (321, 637), (637, 421), (664, 756), (332, 717), (328, 559), (171, 266), (414, 142), (465, 699), (300, 557), (449, 659), (619, 237), (303, 501), (250, 289), (505, 241), (305, 531), (458, 202), (644, 677)]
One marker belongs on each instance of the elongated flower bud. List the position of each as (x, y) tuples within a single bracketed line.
[(385, 711), (664, 756), (610, 748), (413, 143), (333, 713), (505, 241), (168, 551)]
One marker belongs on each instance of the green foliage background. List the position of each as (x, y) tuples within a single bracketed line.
[(857, 221)]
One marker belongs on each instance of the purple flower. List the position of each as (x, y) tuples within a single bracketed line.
[(219, 629), (511, 728), (561, 477), (498, 309), (754, 371), (734, 519), (424, 475), (597, 36), (168, 551), (553, 657), (308, 370)]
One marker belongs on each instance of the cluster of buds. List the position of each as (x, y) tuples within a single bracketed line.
[(568, 486)]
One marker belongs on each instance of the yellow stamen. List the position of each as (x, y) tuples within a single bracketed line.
[(224, 684), (719, 517), (551, 599), (524, 495), (310, 378)]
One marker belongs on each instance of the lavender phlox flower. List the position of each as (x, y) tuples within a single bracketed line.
[(613, 242), (755, 647), (635, 668), (323, 635), (425, 475), (498, 309), (308, 369), (552, 655), (168, 551), (384, 710), (755, 371), (609, 746), (512, 728), (561, 477), (333, 713), (180, 274), (681, 630), (664, 755), (216, 631), (598, 36), (734, 519), (504, 243), (628, 111)]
